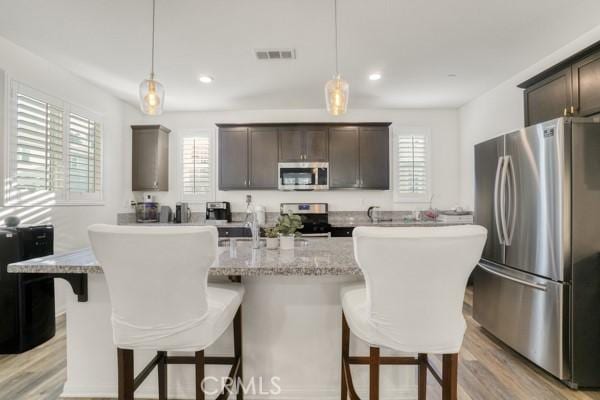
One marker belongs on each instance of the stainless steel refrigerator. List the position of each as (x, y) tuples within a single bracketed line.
[(537, 287)]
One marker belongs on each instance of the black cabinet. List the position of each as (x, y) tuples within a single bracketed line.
[(234, 232), (299, 144), (569, 88), (340, 231), (263, 158), (549, 98), (233, 158), (359, 158)]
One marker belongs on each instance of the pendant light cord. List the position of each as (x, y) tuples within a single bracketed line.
[(153, 19), (335, 19)]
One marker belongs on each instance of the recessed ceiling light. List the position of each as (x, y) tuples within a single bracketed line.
[(205, 79), (375, 77), (451, 75)]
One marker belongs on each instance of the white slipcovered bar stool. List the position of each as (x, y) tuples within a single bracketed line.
[(161, 300), (411, 301)]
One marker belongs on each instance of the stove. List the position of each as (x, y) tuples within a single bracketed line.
[(314, 216)]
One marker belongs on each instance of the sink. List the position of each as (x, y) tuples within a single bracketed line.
[(226, 242)]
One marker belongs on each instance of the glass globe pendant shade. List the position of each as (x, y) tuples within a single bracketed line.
[(152, 96), (337, 91)]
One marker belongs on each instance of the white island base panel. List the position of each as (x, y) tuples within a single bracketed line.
[(291, 331)]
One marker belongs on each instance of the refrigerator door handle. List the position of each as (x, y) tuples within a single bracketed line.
[(513, 199), (496, 183), (503, 184), (513, 279)]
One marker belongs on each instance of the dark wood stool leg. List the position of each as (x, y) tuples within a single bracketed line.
[(199, 358), (125, 373), (450, 377), (345, 354), (374, 374), (422, 388), (237, 347), (162, 376)]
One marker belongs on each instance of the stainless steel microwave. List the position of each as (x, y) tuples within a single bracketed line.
[(303, 176)]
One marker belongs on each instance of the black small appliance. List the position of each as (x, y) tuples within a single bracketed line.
[(26, 300), (218, 211)]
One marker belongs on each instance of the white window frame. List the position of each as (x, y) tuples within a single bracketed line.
[(64, 198), (411, 131), (210, 196)]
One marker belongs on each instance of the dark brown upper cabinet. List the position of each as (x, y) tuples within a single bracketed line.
[(344, 158), (586, 86), (549, 98), (233, 158), (291, 145), (358, 153), (299, 144), (374, 166), (569, 88), (150, 158), (248, 158), (263, 158), (359, 158)]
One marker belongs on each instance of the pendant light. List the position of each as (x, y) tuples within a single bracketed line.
[(337, 90), (152, 92)]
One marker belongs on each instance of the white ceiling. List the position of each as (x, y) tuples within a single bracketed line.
[(415, 44)]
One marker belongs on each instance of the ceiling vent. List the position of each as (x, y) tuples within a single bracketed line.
[(275, 54)]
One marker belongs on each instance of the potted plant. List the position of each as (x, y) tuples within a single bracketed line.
[(272, 235), (287, 225)]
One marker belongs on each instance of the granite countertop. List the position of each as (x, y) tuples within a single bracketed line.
[(318, 256), (345, 223)]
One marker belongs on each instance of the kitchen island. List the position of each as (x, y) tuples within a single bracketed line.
[(291, 324)]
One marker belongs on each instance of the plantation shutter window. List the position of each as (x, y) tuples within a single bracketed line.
[(54, 151), (412, 166), (84, 155), (196, 170), (39, 146)]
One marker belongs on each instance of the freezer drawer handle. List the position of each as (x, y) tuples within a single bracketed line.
[(511, 278)]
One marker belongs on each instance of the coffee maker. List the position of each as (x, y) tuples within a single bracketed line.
[(218, 211)]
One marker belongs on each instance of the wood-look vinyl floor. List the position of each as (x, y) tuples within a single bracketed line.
[(488, 370)]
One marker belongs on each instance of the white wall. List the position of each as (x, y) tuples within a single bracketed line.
[(444, 130), (70, 222), (500, 110)]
